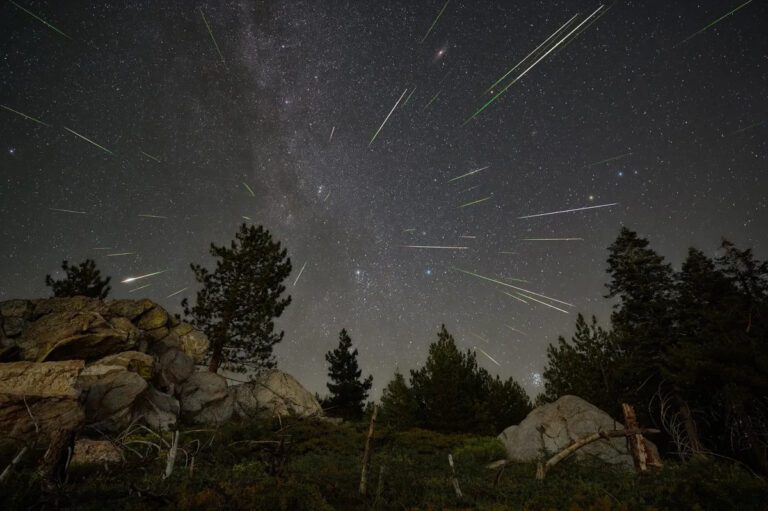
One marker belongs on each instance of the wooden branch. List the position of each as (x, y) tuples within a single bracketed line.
[(172, 455), (367, 453), (543, 468), (16, 460), (454, 480), (637, 446)]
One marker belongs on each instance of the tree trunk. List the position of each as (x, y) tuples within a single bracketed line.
[(690, 427), (53, 467), (637, 446), (454, 479), (367, 453)]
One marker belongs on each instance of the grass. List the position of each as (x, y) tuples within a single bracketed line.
[(313, 465)]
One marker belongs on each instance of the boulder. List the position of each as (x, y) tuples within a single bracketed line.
[(68, 304), (157, 410), (133, 361), (204, 399), (156, 317), (195, 344), (95, 452), (554, 426), (16, 309), (130, 309), (109, 400), (174, 368), (14, 326), (274, 393), (46, 379)]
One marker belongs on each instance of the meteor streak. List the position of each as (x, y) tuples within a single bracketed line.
[(467, 174), (387, 118), (88, 140), (718, 20), (473, 334), (434, 22), (514, 296), (510, 84), (513, 287), (435, 247), (431, 100), (331, 137), (487, 355), (742, 130), (552, 239), (568, 210), (140, 287), (215, 44), (247, 218), (544, 303), (249, 189), (133, 279), (38, 18), (152, 216), (300, 272), (475, 202), (409, 96), (177, 292), (516, 330), (150, 156), (25, 116), (468, 237), (120, 254), (68, 211), (612, 158)]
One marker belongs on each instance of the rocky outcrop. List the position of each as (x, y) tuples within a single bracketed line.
[(274, 393), (205, 399), (158, 410), (554, 426)]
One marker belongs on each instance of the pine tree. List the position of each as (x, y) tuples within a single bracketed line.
[(398, 406), (508, 403), (82, 280), (348, 391), (239, 301)]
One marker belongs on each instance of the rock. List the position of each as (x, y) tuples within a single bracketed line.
[(174, 368), (155, 317), (130, 309), (133, 361), (69, 304), (205, 400), (274, 393), (73, 335), (109, 400), (159, 411), (554, 426), (158, 333), (95, 452), (16, 309), (195, 344), (14, 326), (47, 379), (182, 328)]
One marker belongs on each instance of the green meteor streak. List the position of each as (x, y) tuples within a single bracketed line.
[(215, 44), (38, 121), (612, 158), (475, 202), (38, 18), (467, 174), (435, 22), (149, 156), (510, 285), (718, 20), (249, 189), (431, 100), (88, 140)]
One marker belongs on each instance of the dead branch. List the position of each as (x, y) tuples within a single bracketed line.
[(15, 461), (454, 479), (172, 455), (367, 453)]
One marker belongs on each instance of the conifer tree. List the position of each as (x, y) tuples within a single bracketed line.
[(82, 280), (398, 406), (240, 299), (348, 390)]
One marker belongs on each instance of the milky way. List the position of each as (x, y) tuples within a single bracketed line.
[(148, 130)]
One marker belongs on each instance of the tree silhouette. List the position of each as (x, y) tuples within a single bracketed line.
[(348, 391), (82, 280)]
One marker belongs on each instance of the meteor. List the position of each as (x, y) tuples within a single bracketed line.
[(612, 158), (435, 247), (431, 100), (150, 156), (38, 18), (140, 287), (467, 174), (516, 330), (25, 116), (120, 254), (247, 218), (470, 189), (514, 296), (68, 211), (249, 189), (133, 279), (300, 272), (331, 137), (475, 202), (487, 355), (510, 84), (718, 20), (434, 22), (215, 44), (568, 210), (469, 237), (387, 118), (544, 303), (513, 287), (742, 130), (477, 336), (552, 239), (328, 195), (88, 140), (409, 230), (102, 248), (152, 216), (409, 96), (177, 292)]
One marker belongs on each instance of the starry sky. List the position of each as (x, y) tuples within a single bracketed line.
[(203, 115)]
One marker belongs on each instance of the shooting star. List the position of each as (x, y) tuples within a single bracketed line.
[(468, 174), (409, 97), (133, 279), (475, 202), (25, 116), (510, 84), (612, 158), (552, 239), (150, 156), (247, 218), (152, 216), (68, 211), (478, 336), (544, 303), (88, 140), (249, 189), (568, 210), (513, 287), (435, 247), (718, 20), (434, 22), (387, 118), (331, 137), (328, 195), (140, 287), (470, 189), (516, 330), (38, 18), (409, 230), (177, 292), (506, 252), (120, 254), (742, 130), (513, 296), (487, 355), (215, 44), (431, 100), (102, 248), (300, 272), (468, 237)]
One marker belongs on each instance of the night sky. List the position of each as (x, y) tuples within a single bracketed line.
[(274, 128)]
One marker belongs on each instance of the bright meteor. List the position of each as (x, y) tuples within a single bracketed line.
[(513, 287), (300, 272), (25, 116), (467, 174), (88, 140), (434, 22), (38, 18), (487, 355), (435, 247), (133, 279), (387, 118), (475, 202), (215, 44), (568, 210)]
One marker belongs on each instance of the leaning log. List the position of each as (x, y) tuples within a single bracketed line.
[(367, 453)]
